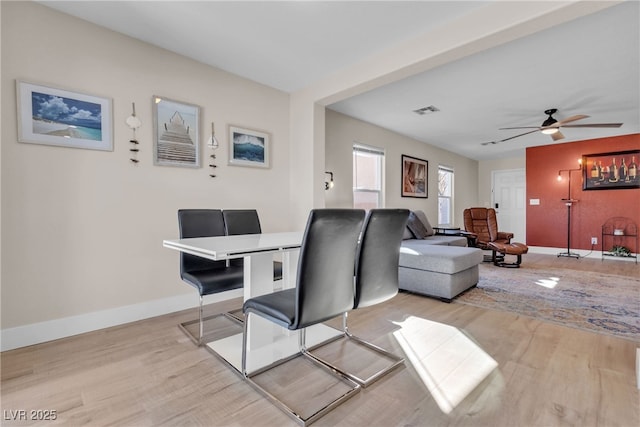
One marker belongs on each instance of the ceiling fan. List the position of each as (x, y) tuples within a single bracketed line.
[(552, 126)]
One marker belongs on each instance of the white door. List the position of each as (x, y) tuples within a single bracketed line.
[(508, 198)]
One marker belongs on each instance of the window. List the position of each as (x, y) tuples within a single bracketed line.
[(445, 196), (367, 177)]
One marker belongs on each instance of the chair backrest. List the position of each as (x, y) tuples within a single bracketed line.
[(326, 264), (241, 221), (378, 256), (199, 223), (483, 222)]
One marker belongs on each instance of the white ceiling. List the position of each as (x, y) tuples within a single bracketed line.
[(590, 65)]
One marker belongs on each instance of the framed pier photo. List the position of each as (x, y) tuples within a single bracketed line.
[(176, 133)]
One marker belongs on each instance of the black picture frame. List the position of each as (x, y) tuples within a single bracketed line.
[(415, 177), (611, 171)]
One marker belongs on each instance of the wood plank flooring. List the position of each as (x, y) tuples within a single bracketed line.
[(150, 373)]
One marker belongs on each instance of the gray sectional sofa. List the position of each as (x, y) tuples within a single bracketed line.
[(440, 266)]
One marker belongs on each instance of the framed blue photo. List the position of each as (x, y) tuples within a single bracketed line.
[(54, 116), (248, 147)]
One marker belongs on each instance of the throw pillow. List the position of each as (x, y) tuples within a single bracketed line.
[(423, 217), (416, 226)]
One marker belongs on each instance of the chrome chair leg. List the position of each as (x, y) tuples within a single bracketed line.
[(201, 323), (354, 387), (198, 340), (396, 361)]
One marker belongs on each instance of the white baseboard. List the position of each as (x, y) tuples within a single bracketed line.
[(638, 366), (37, 333), (584, 253)]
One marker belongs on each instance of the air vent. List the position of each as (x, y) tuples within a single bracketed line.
[(426, 110)]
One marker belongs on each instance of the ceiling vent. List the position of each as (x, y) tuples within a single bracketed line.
[(426, 110)]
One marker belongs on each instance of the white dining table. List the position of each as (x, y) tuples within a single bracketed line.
[(266, 341)]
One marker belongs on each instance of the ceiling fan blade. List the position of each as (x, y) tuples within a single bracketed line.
[(570, 119), (595, 125), (511, 137), (557, 136), (521, 127), (516, 136)]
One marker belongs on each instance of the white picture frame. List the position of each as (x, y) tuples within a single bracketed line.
[(49, 115), (176, 133), (249, 147)]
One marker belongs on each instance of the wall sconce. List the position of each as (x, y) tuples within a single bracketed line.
[(570, 170), (329, 184)]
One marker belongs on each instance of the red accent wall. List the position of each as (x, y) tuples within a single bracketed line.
[(547, 222)]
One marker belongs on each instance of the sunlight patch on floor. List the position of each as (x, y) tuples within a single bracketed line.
[(549, 283), (449, 363)]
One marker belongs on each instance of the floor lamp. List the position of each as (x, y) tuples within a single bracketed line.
[(569, 202)]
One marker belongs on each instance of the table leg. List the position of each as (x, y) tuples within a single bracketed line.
[(290, 268), (258, 275)]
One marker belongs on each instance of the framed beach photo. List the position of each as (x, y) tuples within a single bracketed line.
[(248, 147), (53, 116), (176, 133), (414, 177)]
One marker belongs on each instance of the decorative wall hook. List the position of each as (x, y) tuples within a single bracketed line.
[(213, 142), (134, 123)]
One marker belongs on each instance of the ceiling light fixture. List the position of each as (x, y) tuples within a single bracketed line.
[(549, 122)]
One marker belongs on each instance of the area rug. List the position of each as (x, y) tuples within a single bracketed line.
[(597, 302)]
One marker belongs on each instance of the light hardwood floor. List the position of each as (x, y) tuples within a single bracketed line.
[(149, 373)]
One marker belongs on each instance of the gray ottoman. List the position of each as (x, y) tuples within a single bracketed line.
[(438, 271)]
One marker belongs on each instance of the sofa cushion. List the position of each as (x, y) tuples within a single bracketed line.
[(416, 226), (439, 285), (442, 259), (441, 239), (425, 221)]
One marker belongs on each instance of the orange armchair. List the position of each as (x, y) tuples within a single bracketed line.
[(482, 225)]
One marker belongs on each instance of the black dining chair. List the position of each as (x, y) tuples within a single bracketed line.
[(246, 221), (324, 290), (241, 221), (376, 278), (206, 276)]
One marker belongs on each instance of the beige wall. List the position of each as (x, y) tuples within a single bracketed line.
[(82, 230), (342, 131)]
